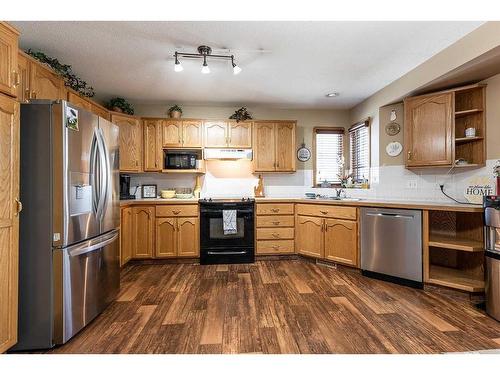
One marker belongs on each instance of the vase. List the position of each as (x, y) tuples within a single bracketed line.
[(175, 114)]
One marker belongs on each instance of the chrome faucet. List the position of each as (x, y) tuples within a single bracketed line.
[(339, 192)]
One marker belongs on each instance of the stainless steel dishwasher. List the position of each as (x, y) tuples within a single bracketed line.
[(391, 245)]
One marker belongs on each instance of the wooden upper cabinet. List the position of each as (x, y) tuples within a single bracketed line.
[(9, 75), (172, 133), (152, 145), (429, 121), (341, 241), (240, 134), (45, 84), (9, 220), (78, 101), (143, 224), (23, 68), (100, 111), (188, 240), (264, 147), (130, 142), (309, 236), (285, 146), (216, 133), (126, 232), (192, 133), (166, 237)]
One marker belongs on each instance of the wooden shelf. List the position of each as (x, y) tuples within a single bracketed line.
[(454, 243), (468, 139), (454, 278), (467, 112), (185, 171)]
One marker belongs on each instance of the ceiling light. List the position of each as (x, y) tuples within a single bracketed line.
[(203, 53), (332, 94), (177, 67), (236, 68)]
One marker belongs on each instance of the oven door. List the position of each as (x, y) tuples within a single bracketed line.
[(212, 232)]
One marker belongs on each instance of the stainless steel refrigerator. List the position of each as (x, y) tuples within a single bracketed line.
[(69, 227)]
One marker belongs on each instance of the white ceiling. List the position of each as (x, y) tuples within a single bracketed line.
[(300, 61)]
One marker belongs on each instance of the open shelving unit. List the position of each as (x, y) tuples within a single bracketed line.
[(454, 255), (470, 112)]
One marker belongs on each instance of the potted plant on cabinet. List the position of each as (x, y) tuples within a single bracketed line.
[(120, 105), (175, 111)]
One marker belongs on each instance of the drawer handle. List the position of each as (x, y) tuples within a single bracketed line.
[(276, 222), (275, 210), (276, 235), (176, 212), (324, 212), (276, 247)]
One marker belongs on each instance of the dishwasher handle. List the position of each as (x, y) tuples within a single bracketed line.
[(395, 216)]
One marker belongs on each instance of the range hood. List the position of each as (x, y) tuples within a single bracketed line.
[(227, 154)]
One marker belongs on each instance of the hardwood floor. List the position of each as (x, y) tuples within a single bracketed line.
[(286, 306)]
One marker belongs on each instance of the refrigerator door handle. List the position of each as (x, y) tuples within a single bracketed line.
[(90, 246), (93, 174), (104, 174)]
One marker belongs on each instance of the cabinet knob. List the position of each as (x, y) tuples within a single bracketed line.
[(324, 212), (33, 94), (276, 235), (275, 210), (409, 155), (276, 222), (17, 79), (276, 247), (19, 207), (176, 212)]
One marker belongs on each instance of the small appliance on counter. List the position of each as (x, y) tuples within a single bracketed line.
[(125, 187), (492, 254)]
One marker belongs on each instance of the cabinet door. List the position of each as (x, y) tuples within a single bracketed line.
[(309, 236), (264, 147), (166, 241), (9, 76), (23, 89), (79, 101), (341, 241), (428, 130), (130, 142), (285, 147), (9, 220), (152, 147), (216, 134), (126, 235), (45, 84), (188, 241), (172, 133), (240, 134), (143, 221), (192, 134)]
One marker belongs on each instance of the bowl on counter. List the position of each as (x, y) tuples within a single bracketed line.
[(167, 194), (183, 195)]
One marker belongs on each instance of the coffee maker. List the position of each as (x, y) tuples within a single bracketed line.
[(125, 187)]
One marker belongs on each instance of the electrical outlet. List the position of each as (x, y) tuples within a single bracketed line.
[(411, 183)]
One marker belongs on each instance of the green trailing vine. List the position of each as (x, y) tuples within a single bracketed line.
[(121, 104), (70, 79)]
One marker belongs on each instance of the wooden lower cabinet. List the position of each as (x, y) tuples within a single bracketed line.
[(341, 239), (275, 231), (177, 237), (9, 220), (126, 235), (143, 229), (309, 232)]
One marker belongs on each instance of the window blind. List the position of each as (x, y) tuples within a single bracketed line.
[(359, 137), (329, 147)]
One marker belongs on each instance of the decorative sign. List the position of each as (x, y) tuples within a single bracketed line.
[(392, 128), (477, 187), (72, 118), (394, 149), (393, 115), (149, 191), (303, 153)]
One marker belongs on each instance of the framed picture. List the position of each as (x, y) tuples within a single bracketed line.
[(149, 191)]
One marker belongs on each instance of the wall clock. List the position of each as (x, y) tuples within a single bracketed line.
[(394, 149), (303, 153)]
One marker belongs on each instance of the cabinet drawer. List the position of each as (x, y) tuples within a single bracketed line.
[(274, 247), (176, 210), (339, 212), (275, 233), (275, 221), (275, 209)]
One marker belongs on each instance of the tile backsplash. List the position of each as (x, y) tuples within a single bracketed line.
[(234, 178)]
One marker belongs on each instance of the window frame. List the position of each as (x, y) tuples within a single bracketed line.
[(363, 123), (337, 129)]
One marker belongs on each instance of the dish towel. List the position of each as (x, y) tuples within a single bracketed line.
[(229, 222)]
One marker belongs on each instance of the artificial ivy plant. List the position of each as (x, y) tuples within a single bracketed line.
[(120, 104)]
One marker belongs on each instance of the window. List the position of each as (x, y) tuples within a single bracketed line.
[(359, 137), (328, 155)]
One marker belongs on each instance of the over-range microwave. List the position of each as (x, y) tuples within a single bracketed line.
[(180, 160)]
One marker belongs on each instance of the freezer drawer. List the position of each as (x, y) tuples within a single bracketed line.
[(86, 280), (391, 243)]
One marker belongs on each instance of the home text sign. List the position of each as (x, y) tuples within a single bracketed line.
[(477, 188)]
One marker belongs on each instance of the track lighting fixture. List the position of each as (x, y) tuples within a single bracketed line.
[(203, 53)]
